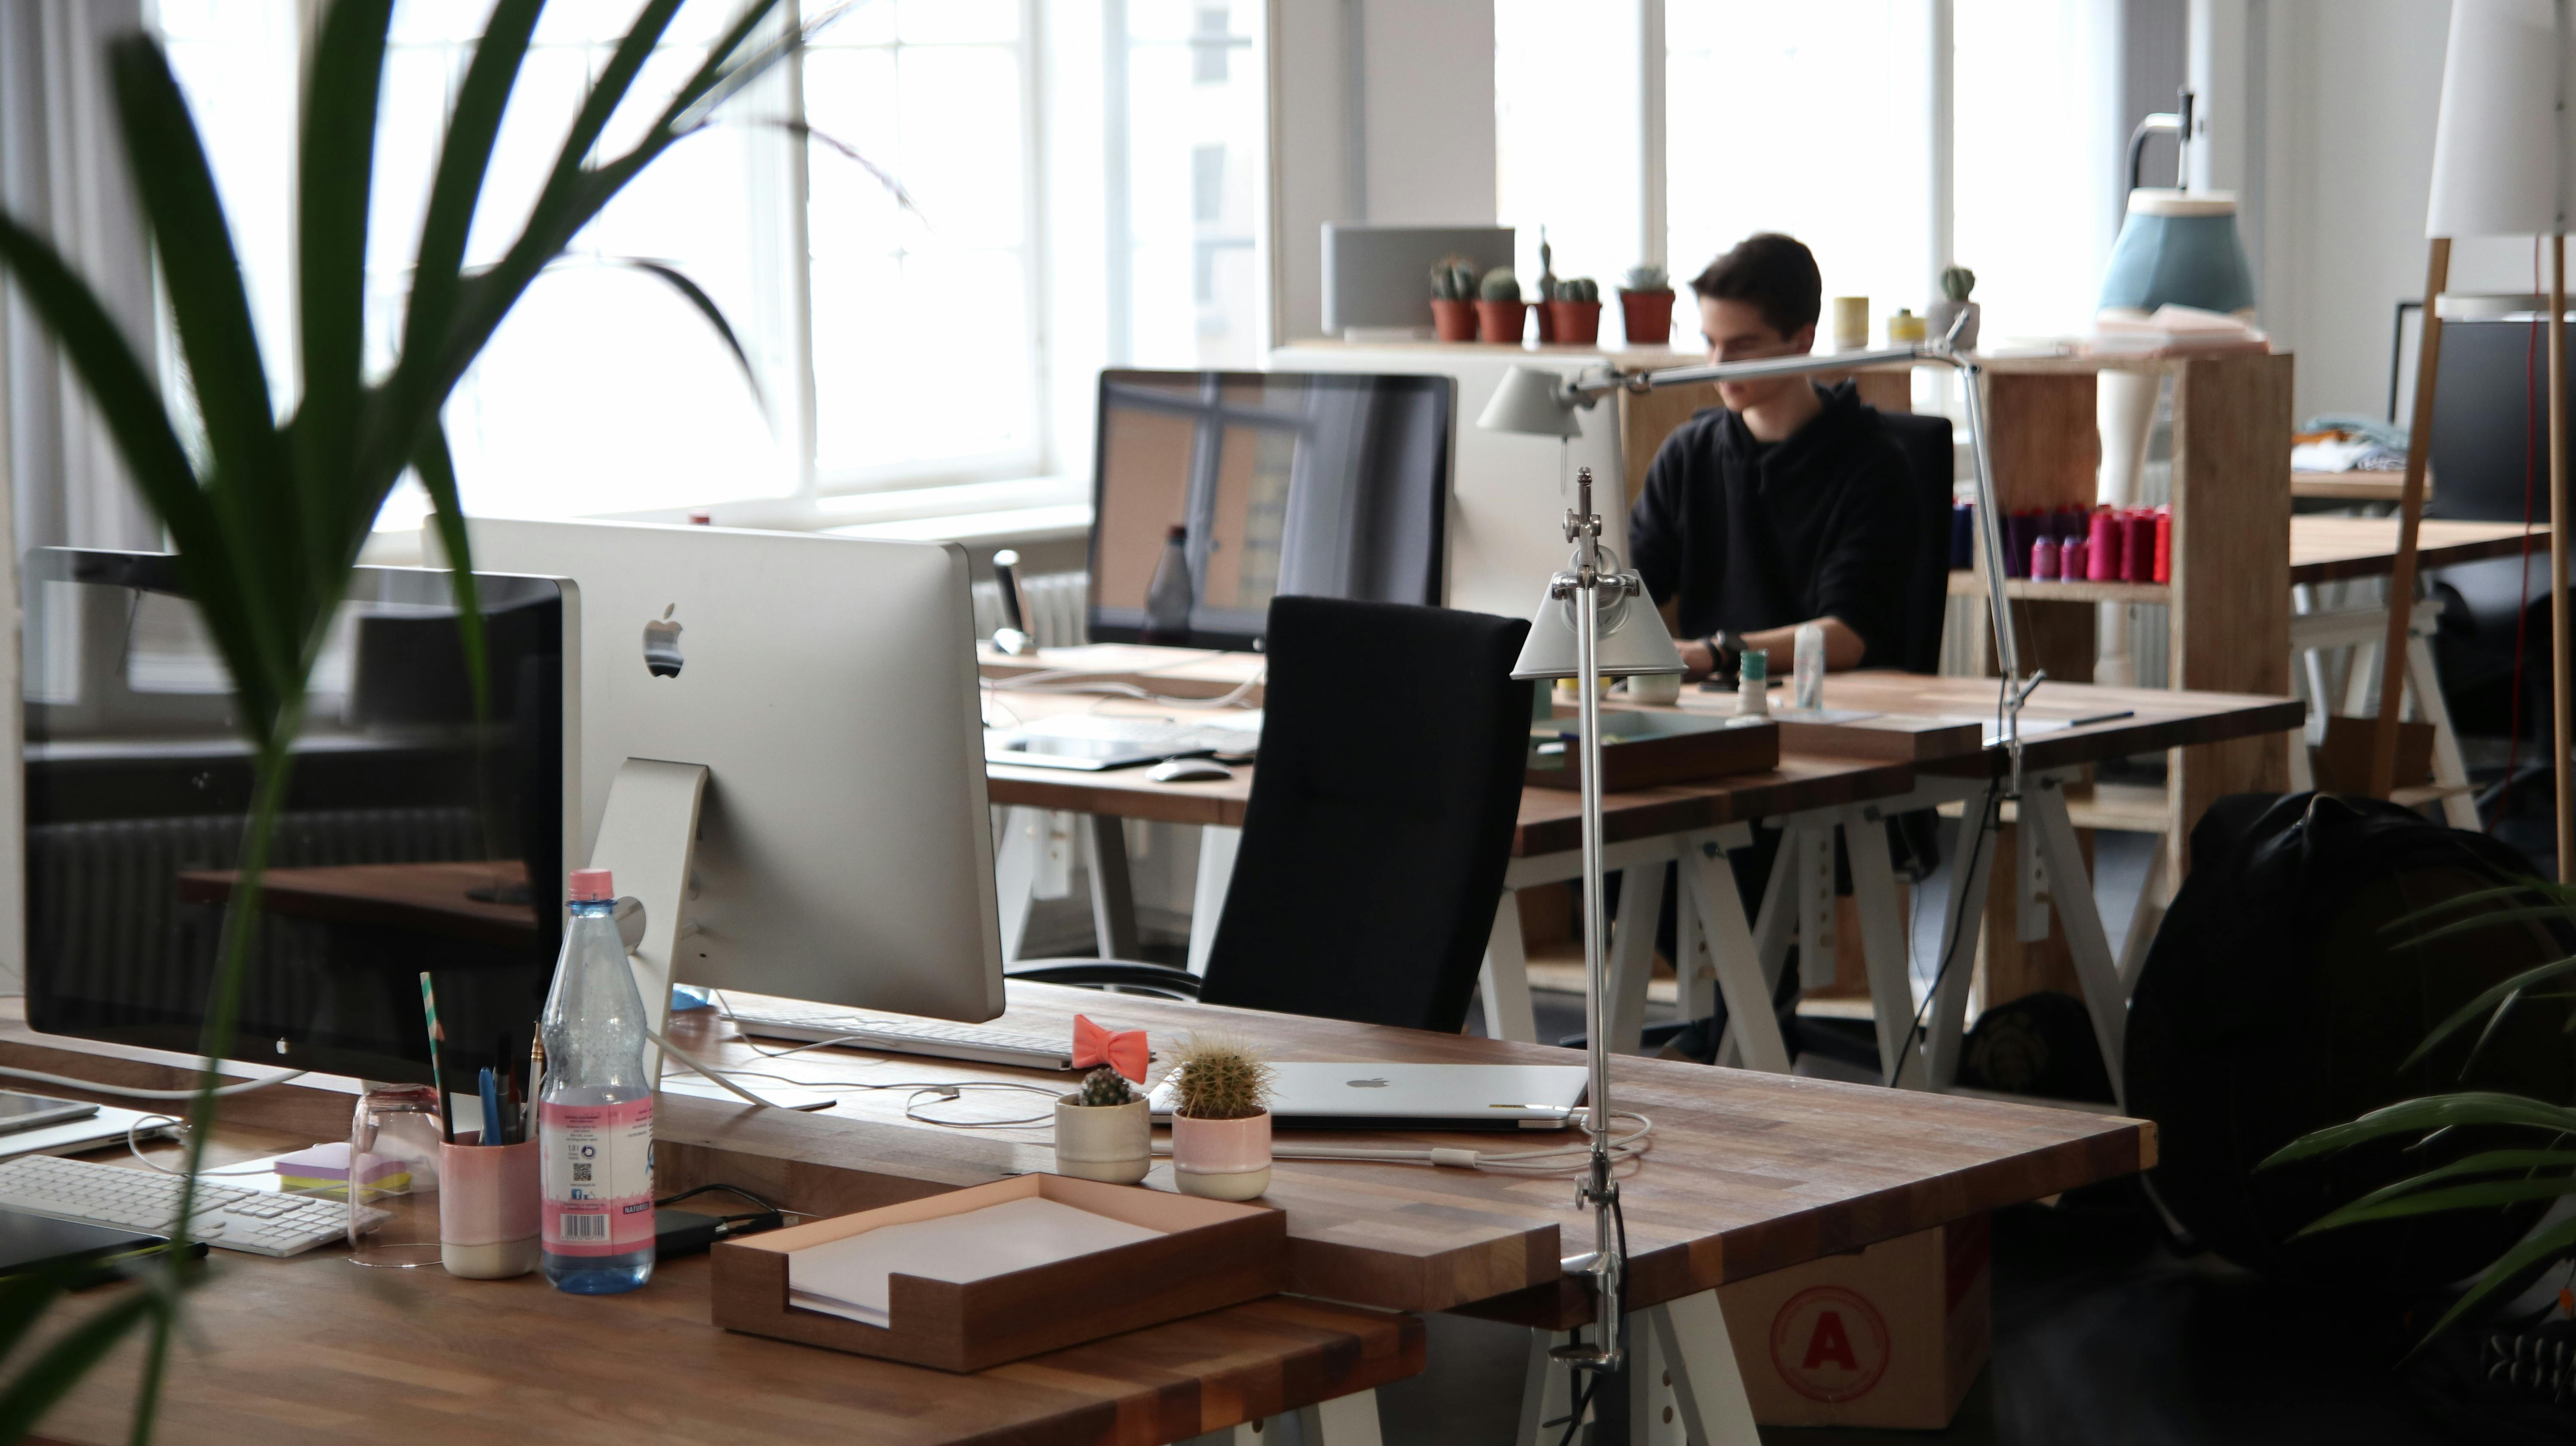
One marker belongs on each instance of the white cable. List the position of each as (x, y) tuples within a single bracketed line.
[(718, 1076), (132, 1092), (134, 1146)]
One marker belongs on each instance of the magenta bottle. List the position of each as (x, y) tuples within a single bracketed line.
[(595, 1108)]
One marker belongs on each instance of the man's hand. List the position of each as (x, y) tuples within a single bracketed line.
[(1698, 658)]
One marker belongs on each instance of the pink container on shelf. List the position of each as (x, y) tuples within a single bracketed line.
[(2164, 544), (2070, 559), (2102, 546), (2138, 546), (2043, 559)]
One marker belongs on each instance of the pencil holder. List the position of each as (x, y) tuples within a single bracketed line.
[(487, 1209)]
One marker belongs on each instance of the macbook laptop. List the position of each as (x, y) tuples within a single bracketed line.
[(1380, 1096)]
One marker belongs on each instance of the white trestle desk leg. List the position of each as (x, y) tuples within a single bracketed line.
[(1813, 858), (1546, 1392), (1882, 934), (648, 835), (1749, 1020), (1217, 845), (1343, 1421), (2099, 976), (1690, 1348), (2459, 807), (1632, 952), (1504, 982), (1015, 873), (2143, 923), (1972, 863), (1694, 978), (1113, 897)]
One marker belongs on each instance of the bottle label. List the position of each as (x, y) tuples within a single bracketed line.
[(598, 1165)]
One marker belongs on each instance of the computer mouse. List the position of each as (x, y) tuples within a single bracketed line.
[(1190, 770)]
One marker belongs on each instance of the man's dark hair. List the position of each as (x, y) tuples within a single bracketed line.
[(1774, 272)]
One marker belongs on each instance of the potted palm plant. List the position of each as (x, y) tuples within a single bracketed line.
[(266, 506)]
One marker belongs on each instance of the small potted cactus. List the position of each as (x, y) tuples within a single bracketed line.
[(1104, 1131), (1221, 1118), (1500, 313), (1453, 299), (1956, 283), (1546, 290), (1646, 305), (1574, 309)]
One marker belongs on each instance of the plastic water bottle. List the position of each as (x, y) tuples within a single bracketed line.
[(1810, 665), (1170, 597), (595, 1110)]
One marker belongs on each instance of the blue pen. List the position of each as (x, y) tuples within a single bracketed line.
[(491, 1106)]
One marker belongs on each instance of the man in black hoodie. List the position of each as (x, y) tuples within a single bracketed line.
[(1787, 505)]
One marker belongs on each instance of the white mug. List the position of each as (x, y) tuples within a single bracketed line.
[(1660, 688)]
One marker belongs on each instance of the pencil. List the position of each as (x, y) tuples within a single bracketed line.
[(438, 1077)]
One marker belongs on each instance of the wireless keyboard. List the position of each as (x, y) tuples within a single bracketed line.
[(228, 1217), (1158, 733), (904, 1034)]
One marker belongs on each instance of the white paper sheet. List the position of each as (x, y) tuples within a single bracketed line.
[(847, 1277)]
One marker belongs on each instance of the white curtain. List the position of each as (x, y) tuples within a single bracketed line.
[(62, 174)]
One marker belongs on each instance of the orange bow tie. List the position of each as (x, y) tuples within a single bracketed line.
[(1121, 1049)]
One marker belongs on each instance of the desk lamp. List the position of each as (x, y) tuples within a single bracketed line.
[(1596, 622)]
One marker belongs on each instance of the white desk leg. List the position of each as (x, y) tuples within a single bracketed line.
[(1816, 906), (2104, 995), (2144, 923), (1217, 845), (1695, 981), (1971, 865), (1546, 1392), (1692, 1351), (1777, 918), (1882, 935), (1015, 873), (2460, 808), (1504, 982), (1749, 1020), (1343, 1421), (2303, 778), (1632, 953)]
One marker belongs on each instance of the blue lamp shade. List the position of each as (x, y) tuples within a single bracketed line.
[(2179, 248)]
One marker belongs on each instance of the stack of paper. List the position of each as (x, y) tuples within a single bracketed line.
[(847, 1277)]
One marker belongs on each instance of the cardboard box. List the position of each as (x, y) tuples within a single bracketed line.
[(1889, 1337)]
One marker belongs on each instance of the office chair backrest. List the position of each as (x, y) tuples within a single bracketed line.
[(1393, 743), (1929, 464), (2491, 422)]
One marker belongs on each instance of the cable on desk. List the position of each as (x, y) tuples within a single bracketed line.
[(134, 1147), (940, 1091), (134, 1092)]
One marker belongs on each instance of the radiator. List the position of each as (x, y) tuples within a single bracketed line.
[(1054, 604)]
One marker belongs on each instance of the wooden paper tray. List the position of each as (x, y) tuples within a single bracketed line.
[(1213, 1254), (1643, 749)]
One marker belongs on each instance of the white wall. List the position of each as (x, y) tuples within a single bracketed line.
[(2350, 88), (1381, 110)]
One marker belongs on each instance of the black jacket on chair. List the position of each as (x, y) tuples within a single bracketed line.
[(1393, 743)]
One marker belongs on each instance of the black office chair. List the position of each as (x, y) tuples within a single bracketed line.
[(1930, 464), (1393, 744)]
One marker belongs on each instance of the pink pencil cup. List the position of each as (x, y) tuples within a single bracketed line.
[(488, 1197)]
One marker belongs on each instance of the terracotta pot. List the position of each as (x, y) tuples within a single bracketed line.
[(1454, 320), (1502, 321), (1226, 1159), (1578, 323), (1545, 311), (1647, 316), (1114, 1143)]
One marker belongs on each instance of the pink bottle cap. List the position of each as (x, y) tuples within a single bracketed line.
[(589, 886)]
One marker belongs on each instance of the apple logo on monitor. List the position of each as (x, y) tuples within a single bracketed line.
[(662, 645)]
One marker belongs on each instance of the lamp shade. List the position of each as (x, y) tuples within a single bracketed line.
[(1633, 642), (2180, 248), (1533, 402), (2501, 154)]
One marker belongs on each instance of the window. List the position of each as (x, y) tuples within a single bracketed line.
[(1706, 120), (1081, 186)]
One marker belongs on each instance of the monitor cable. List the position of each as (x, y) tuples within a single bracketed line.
[(137, 1092)]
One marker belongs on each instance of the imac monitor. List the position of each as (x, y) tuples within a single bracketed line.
[(410, 839), (845, 849), (1315, 484)]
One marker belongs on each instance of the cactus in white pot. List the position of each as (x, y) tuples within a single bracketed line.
[(1104, 1131)]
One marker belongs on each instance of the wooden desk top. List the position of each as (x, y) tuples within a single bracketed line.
[(2329, 549), (2159, 718), (1749, 1172), (2348, 486), (435, 897), (1177, 672), (314, 1350)]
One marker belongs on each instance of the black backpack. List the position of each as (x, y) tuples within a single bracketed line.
[(2275, 1001)]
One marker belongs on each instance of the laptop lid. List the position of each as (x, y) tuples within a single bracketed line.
[(1378, 1095)]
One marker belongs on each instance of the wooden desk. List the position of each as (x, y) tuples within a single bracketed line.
[(2388, 487), (2330, 549)]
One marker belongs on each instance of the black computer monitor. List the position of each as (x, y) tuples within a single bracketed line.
[(413, 838), (1319, 484)]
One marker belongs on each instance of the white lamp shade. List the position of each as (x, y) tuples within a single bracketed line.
[(1533, 402), (1633, 642), (2501, 154)]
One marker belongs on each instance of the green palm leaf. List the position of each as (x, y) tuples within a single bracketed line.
[(2434, 1112)]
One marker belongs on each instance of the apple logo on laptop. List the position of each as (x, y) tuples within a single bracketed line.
[(1366, 1084), (662, 645)]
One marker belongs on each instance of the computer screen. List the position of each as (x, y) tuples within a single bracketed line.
[(844, 852), (1314, 484), (409, 842)]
